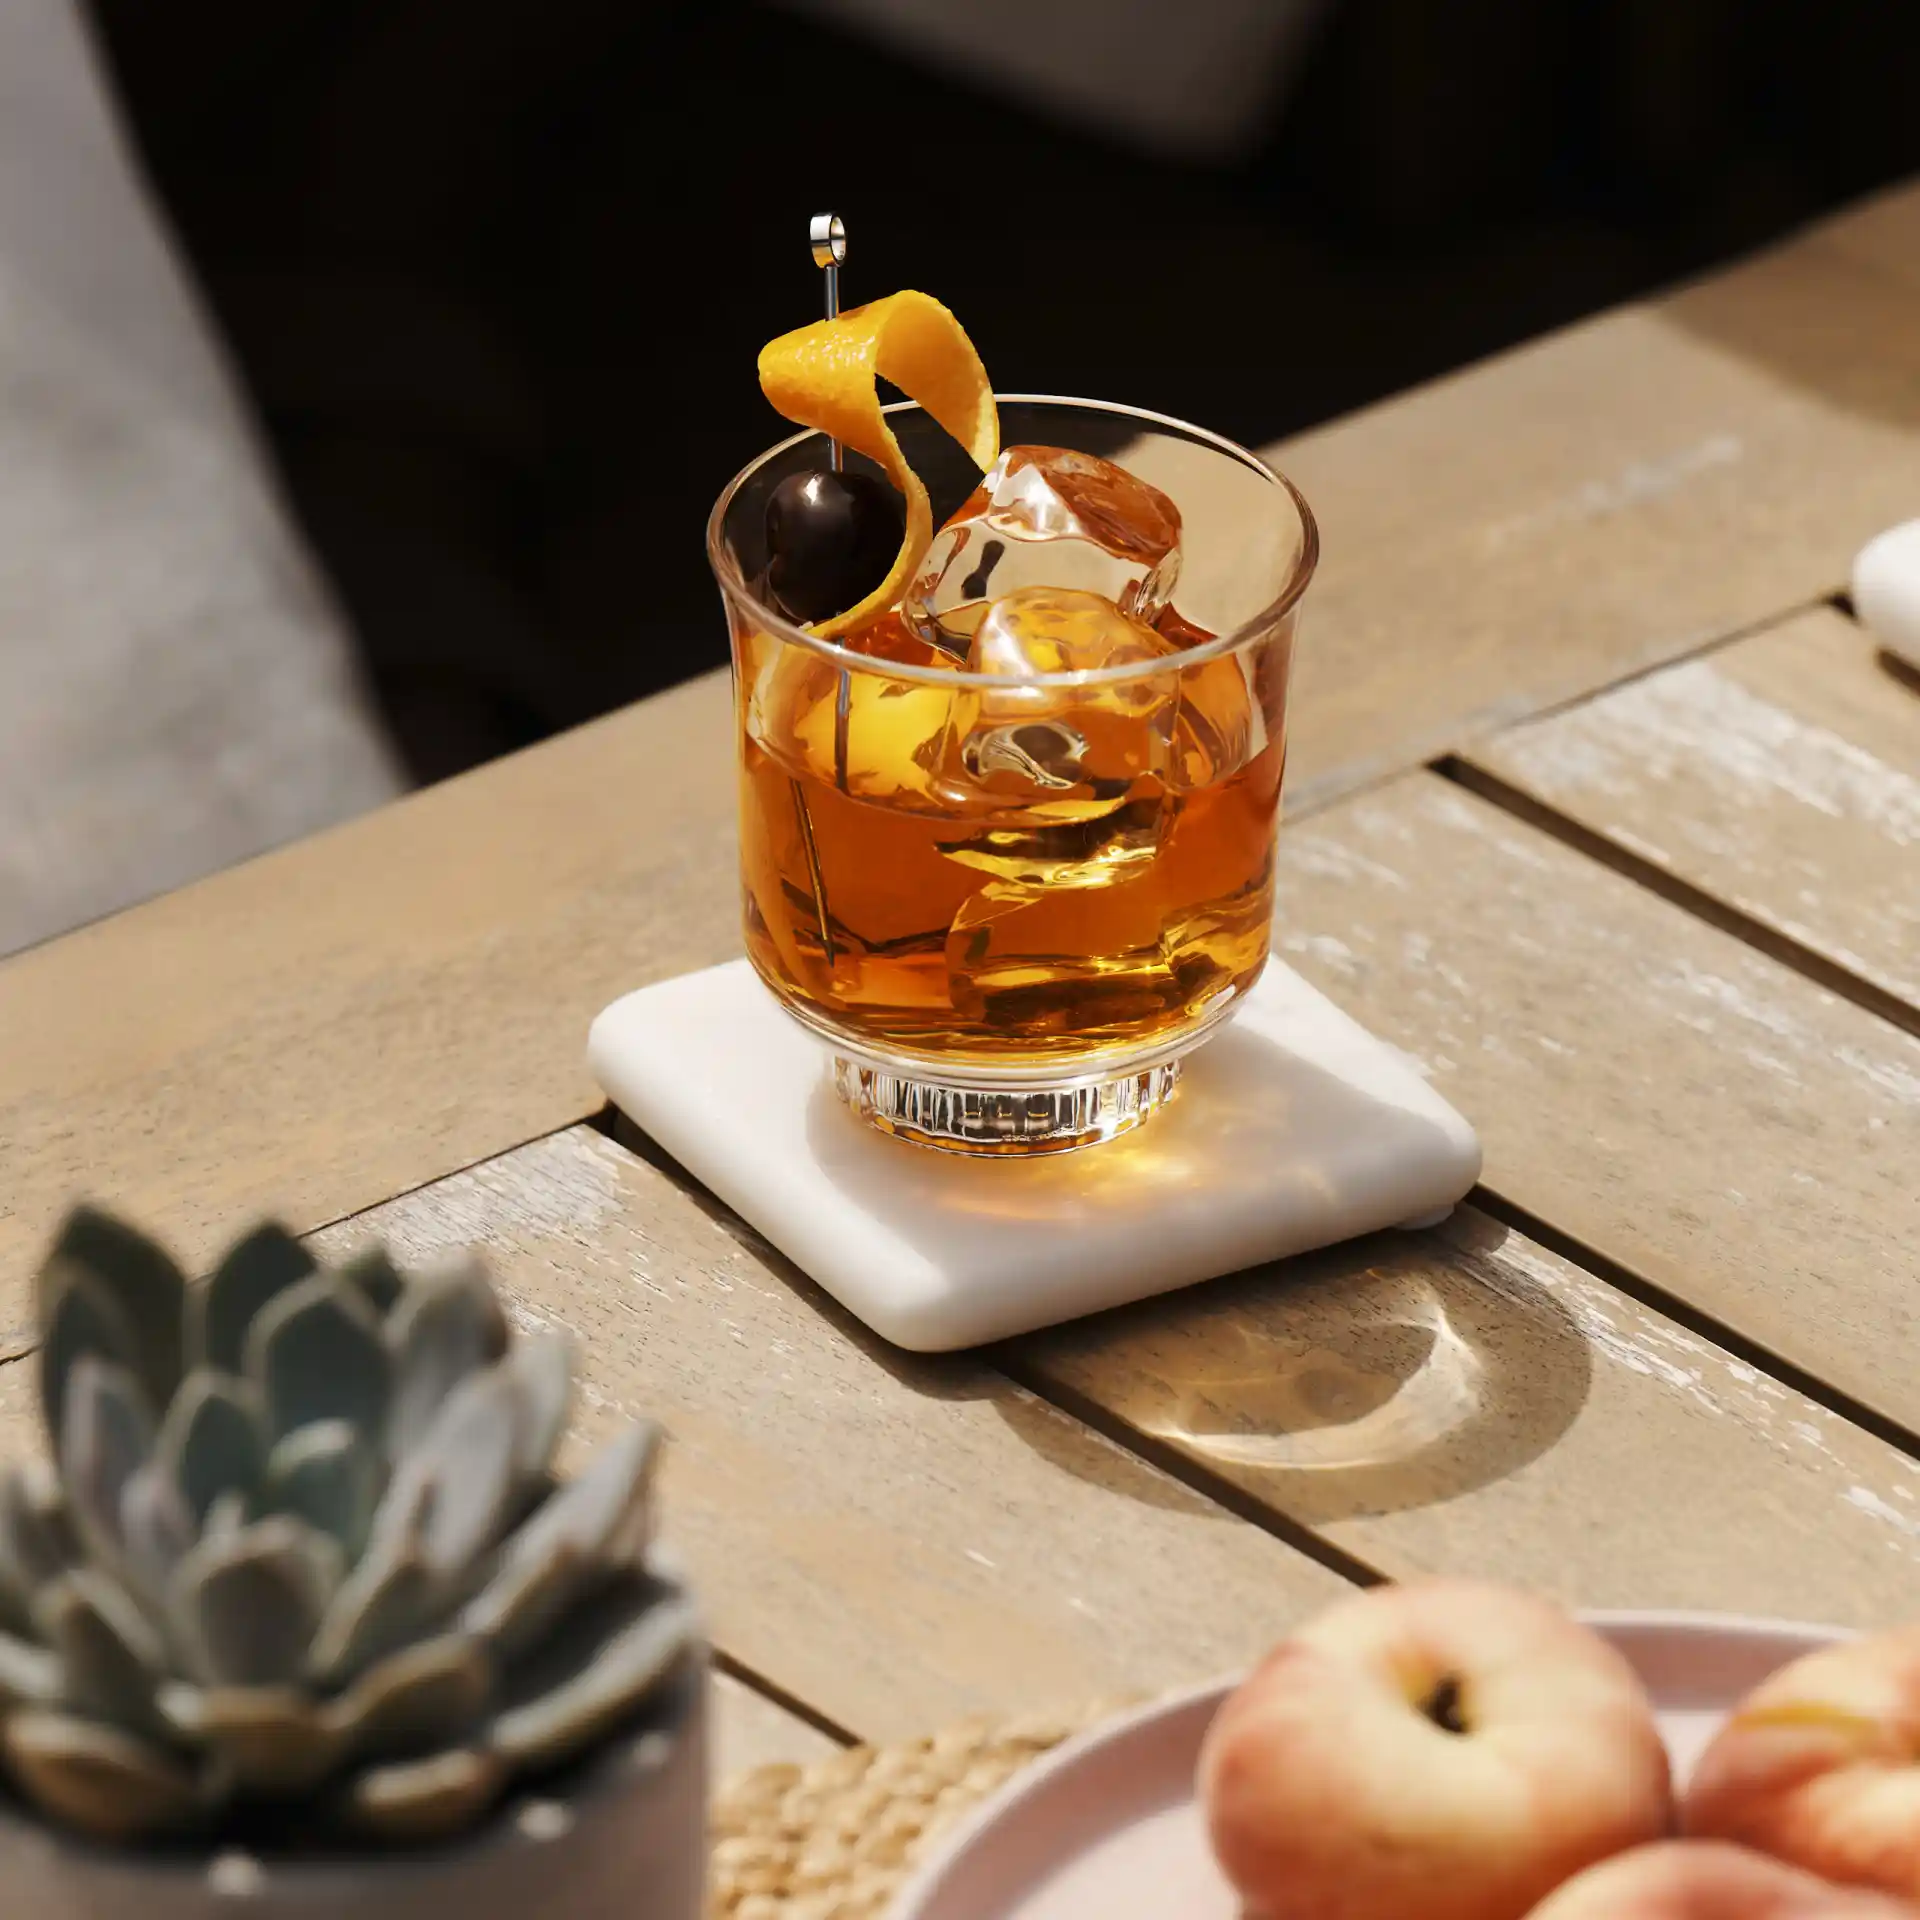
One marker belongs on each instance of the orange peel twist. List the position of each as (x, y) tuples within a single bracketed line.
[(825, 376)]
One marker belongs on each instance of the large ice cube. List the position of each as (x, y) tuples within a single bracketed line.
[(1046, 517), (1055, 629), (1059, 753)]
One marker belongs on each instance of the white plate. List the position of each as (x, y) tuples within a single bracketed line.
[(1107, 1829)]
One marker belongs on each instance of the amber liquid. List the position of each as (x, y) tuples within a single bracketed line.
[(1046, 874)]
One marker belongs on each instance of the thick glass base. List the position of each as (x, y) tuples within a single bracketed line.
[(1003, 1120)]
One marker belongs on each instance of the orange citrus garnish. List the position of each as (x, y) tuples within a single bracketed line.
[(824, 376)]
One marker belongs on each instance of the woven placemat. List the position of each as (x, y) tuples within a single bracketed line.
[(836, 1840)]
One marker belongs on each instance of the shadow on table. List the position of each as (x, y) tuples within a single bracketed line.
[(1898, 667), (1392, 1373), (1386, 1374)]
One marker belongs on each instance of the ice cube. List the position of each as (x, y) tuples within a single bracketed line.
[(1058, 753), (1058, 629), (1045, 516), (1219, 726)]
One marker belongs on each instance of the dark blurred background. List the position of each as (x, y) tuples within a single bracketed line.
[(497, 270)]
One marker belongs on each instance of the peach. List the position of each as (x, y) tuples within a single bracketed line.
[(1820, 1766), (1708, 1880), (1442, 1751)]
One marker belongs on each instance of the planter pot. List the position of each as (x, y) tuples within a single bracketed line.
[(622, 1833)]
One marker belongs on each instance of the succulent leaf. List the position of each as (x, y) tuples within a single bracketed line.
[(422, 1698), (213, 1440), (373, 1272), (461, 1487), (582, 1682), (82, 1319), (543, 1364), (522, 1602), (597, 1521), (244, 1609), (111, 1659), (98, 1779), (227, 1516), (331, 1564), (448, 1326), (328, 1476), (255, 1271), (157, 1527), (29, 1675), (315, 1353), (105, 1435), (138, 1277), (36, 1541), (270, 1740), (384, 1603), (421, 1800)]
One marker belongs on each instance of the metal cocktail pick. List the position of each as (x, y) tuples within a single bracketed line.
[(827, 233)]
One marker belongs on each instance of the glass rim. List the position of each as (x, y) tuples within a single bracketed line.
[(733, 583)]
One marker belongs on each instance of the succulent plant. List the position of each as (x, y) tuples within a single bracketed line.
[(302, 1561)]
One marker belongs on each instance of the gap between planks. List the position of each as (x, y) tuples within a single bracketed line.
[(1531, 811), (778, 1700), (1004, 1359), (25, 1346), (1636, 1286), (1225, 1493), (1319, 794), (1459, 766)]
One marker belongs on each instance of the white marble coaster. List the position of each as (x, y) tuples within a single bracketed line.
[(1292, 1129)]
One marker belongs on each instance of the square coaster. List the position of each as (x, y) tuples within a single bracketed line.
[(1292, 1128)]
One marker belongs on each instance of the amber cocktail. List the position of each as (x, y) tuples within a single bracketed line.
[(1007, 847)]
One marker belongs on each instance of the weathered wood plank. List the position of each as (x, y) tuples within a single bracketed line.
[(371, 1009), (1780, 775), (1465, 1401), (1605, 499), (1652, 1087), (897, 1541), (319, 1029)]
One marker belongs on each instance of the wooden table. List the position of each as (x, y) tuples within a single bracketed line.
[(1603, 807)]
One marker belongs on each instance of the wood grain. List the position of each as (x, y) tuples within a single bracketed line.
[(1605, 499), (367, 1011), (1780, 774), (896, 1541), (1467, 1402), (1650, 1086), (314, 1031)]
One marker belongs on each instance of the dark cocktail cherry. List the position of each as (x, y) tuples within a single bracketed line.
[(830, 539)]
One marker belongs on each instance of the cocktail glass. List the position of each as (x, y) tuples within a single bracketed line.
[(1012, 902)]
